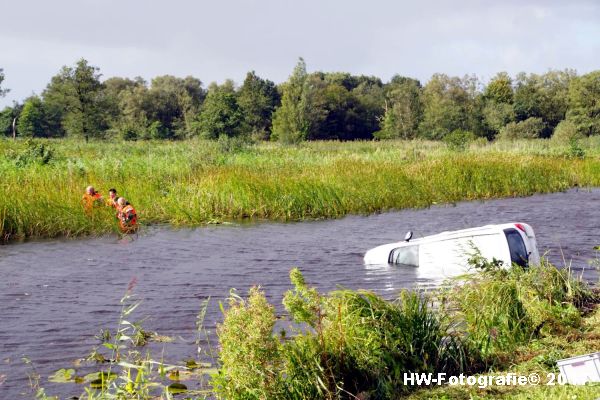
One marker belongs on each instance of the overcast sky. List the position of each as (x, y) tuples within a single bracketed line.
[(224, 39)]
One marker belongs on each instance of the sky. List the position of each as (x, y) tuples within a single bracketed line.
[(224, 39)]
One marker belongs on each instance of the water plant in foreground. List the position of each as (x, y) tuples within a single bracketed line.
[(345, 344), (353, 344), (124, 371)]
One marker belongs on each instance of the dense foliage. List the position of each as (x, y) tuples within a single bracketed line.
[(198, 181), (308, 106), (354, 344)]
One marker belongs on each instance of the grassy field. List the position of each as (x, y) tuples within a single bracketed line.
[(199, 182)]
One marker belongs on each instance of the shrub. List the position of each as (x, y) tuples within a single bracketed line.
[(347, 343), (515, 306), (156, 130), (459, 140), (250, 354), (531, 128), (128, 132), (575, 149), (34, 153), (565, 132)]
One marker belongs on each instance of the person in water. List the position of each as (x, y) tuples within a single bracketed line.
[(112, 198), (127, 216), (91, 199)]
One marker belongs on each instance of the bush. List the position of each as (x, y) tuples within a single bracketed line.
[(156, 130), (531, 128), (128, 132), (234, 144), (459, 140), (250, 354), (565, 132), (515, 306), (348, 342), (34, 153)]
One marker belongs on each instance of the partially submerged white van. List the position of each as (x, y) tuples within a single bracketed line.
[(447, 253)]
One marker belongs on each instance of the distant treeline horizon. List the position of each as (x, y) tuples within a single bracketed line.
[(308, 106)]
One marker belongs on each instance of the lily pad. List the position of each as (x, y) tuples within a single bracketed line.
[(175, 388), (193, 364), (98, 379), (63, 376)]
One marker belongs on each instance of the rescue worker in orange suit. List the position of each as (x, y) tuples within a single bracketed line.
[(127, 216), (91, 199), (112, 199)]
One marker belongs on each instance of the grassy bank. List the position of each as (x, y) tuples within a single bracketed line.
[(198, 182)]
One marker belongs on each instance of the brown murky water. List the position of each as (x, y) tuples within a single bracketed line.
[(56, 295)]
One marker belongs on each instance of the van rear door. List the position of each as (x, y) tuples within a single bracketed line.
[(516, 245)]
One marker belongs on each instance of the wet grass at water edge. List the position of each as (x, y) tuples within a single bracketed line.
[(198, 182)]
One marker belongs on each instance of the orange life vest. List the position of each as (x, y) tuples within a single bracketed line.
[(127, 219), (112, 203), (91, 200)]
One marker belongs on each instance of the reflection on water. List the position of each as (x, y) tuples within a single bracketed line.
[(57, 294)]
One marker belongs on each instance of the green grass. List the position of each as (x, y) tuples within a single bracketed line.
[(537, 356), (197, 182), (353, 344)]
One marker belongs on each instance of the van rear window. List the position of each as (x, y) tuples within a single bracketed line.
[(518, 251), (407, 255)]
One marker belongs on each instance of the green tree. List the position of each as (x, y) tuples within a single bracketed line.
[(32, 121), (175, 103), (500, 89), (584, 103), (167, 109), (298, 113), (113, 91), (340, 106), (448, 105), (329, 105), (2, 91), (531, 128), (369, 97), (403, 109), (258, 99), (543, 96), (7, 117), (74, 96), (496, 102), (221, 114), (496, 115)]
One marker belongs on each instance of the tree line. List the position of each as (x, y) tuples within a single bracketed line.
[(308, 106)]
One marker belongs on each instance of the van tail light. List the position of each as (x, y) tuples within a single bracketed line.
[(521, 227)]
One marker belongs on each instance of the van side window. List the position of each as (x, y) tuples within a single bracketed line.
[(518, 251), (408, 255)]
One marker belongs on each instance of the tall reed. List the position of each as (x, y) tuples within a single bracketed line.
[(197, 182)]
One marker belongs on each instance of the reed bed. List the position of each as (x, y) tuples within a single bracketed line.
[(197, 182)]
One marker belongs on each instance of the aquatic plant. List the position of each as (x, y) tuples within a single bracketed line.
[(345, 344), (123, 371), (354, 344)]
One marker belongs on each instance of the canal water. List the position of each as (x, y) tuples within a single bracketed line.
[(56, 295)]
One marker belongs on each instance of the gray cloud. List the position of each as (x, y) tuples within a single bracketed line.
[(224, 40)]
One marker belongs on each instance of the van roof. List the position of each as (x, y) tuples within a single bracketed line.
[(482, 230)]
